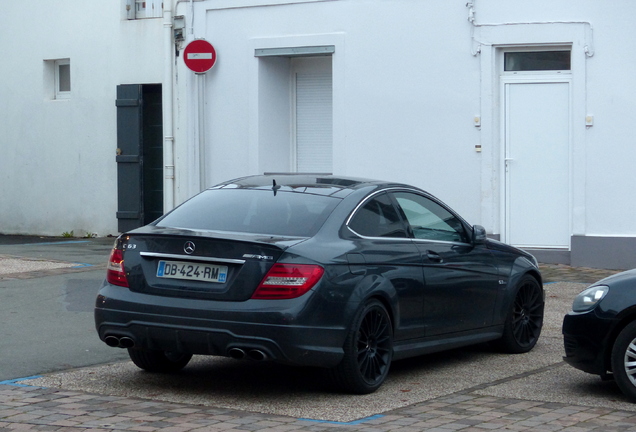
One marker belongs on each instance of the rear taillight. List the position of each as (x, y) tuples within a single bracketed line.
[(287, 281), (115, 274)]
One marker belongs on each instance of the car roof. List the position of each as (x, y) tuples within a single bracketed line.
[(320, 184)]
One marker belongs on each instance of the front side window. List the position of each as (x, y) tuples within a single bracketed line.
[(429, 220), (378, 218)]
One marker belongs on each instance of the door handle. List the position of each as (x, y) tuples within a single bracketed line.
[(433, 256), (507, 163)]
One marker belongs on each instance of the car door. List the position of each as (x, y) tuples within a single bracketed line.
[(460, 277), (392, 261)]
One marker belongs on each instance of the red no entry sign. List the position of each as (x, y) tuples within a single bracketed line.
[(199, 56)]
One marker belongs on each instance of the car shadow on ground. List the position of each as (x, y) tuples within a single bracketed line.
[(242, 378), (606, 389)]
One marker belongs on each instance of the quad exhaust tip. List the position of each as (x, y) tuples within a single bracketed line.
[(119, 341), (236, 353), (253, 354), (257, 355)]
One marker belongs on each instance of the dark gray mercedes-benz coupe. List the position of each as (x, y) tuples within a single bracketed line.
[(340, 273)]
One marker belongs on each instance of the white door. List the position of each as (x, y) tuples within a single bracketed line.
[(313, 114), (536, 166)]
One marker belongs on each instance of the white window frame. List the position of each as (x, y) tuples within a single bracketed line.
[(140, 9), (59, 93), (270, 142), (533, 48), (489, 41)]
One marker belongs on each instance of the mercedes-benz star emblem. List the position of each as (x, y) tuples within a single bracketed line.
[(189, 247)]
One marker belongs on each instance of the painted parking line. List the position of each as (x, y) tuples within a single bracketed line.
[(55, 243), (15, 382)]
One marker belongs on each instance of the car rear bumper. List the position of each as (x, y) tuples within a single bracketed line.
[(585, 338), (275, 330)]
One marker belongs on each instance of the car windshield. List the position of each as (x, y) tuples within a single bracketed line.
[(253, 211)]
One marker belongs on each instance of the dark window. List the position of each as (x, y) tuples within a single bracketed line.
[(536, 61), (64, 77), (62, 71), (253, 211), (378, 218), (429, 220)]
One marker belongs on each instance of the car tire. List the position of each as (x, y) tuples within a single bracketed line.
[(368, 351), (158, 361), (525, 318), (623, 361)]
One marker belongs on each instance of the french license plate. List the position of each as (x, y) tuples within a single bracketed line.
[(192, 271)]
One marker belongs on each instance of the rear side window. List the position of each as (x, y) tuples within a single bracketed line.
[(253, 211), (378, 218)]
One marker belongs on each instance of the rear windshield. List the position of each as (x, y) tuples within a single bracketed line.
[(253, 211)]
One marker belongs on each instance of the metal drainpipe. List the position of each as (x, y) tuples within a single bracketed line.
[(168, 138)]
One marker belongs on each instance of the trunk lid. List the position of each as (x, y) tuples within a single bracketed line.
[(199, 264)]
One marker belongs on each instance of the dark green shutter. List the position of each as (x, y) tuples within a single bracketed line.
[(129, 155)]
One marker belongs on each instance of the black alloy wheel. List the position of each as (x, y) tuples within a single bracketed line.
[(624, 361), (525, 319), (368, 351), (158, 361)]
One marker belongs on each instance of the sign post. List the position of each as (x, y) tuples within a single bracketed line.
[(199, 56)]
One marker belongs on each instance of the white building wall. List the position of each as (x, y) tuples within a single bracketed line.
[(409, 79), (397, 114), (611, 144), (608, 146), (58, 165)]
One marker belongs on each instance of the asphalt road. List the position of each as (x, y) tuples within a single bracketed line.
[(47, 291)]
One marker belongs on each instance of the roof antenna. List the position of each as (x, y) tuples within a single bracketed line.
[(275, 187)]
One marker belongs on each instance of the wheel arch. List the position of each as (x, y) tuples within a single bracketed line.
[(387, 305), (368, 349), (535, 274), (626, 317), (379, 288), (508, 296), (524, 310)]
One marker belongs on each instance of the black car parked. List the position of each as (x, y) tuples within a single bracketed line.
[(339, 273), (600, 332)]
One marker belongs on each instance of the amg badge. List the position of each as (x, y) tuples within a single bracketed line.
[(260, 257)]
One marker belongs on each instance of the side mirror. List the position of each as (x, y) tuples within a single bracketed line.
[(479, 234)]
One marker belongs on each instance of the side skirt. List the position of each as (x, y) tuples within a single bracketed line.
[(416, 347)]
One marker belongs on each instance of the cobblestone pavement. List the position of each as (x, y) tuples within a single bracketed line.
[(37, 409), (26, 408)]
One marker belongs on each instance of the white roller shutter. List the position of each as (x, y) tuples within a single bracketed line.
[(313, 125)]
